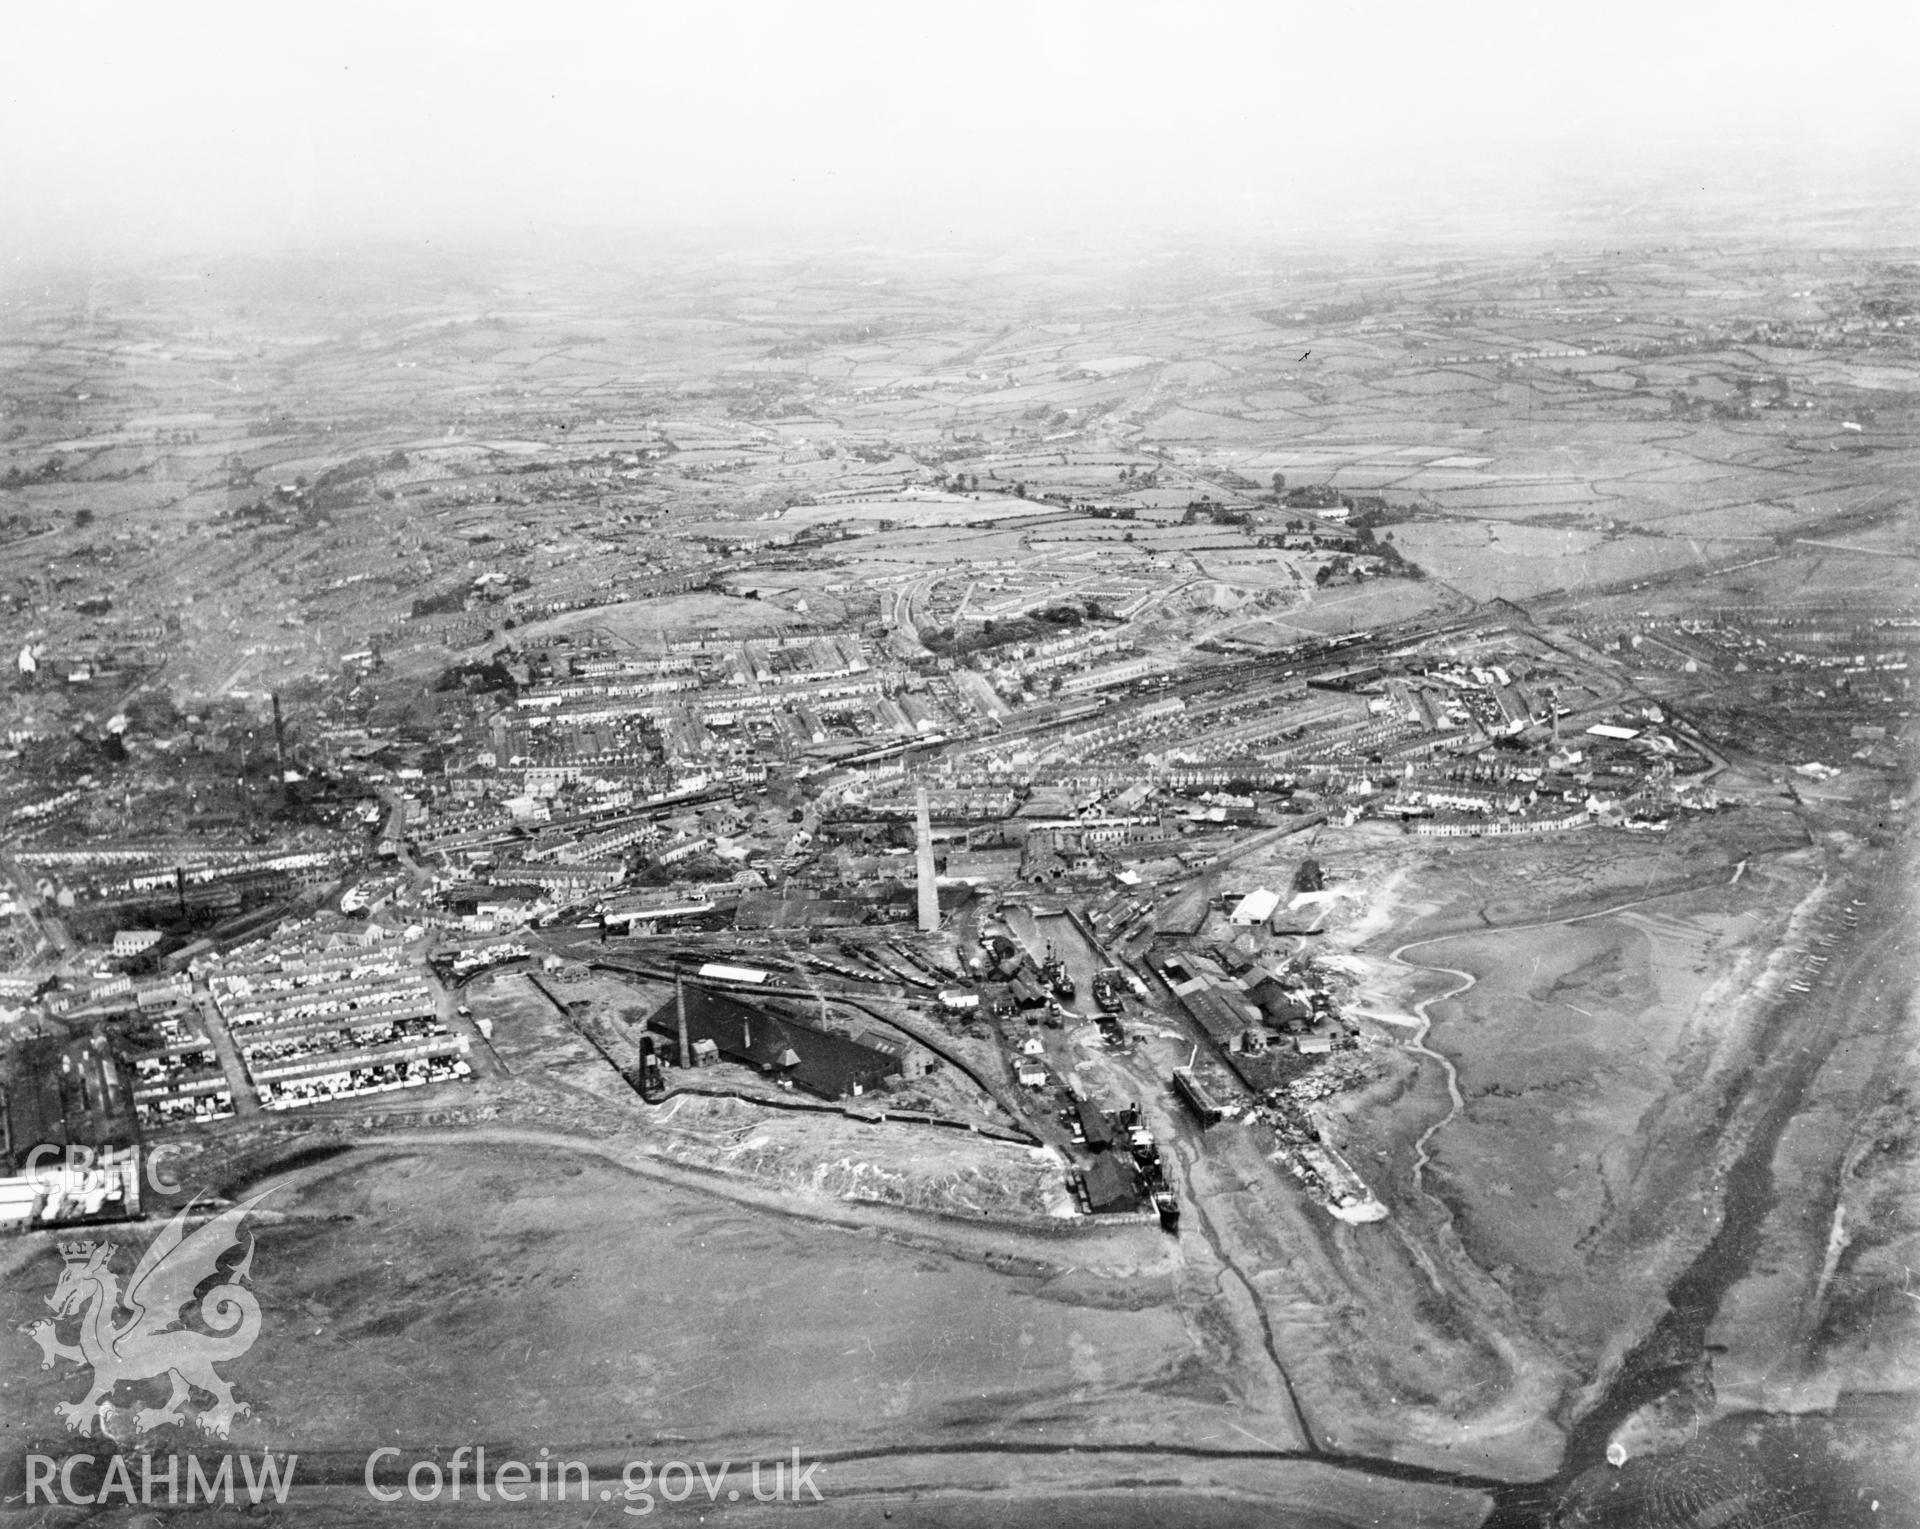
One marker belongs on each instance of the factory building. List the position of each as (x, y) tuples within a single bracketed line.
[(818, 1061), (1109, 1186)]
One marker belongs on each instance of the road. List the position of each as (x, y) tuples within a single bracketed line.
[(245, 1101), (396, 832), (485, 1061), (904, 621), (1893, 552), (52, 928)]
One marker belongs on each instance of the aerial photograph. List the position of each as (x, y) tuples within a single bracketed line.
[(1030, 764)]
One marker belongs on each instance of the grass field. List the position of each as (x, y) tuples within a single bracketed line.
[(653, 622), (637, 1312), (943, 511), (1593, 1041), (1488, 560)]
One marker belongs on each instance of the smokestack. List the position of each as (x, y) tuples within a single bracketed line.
[(680, 1009), (279, 737), (180, 887), (929, 893)]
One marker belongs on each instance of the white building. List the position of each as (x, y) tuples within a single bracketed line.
[(1255, 908)]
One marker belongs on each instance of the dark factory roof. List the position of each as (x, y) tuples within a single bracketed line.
[(1094, 1125), (820, 1062), (1110, 1186)]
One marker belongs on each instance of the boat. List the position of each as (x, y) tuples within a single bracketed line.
[(1054, 973), (1107, 989), (1208, 1109), (1168, 1205)]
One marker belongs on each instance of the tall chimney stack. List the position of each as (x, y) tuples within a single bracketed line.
[(680, 1008), (279, 738)]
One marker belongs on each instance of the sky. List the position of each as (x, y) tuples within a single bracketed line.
[(259, 126)]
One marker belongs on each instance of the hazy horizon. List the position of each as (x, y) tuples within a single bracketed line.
[(230, 128)]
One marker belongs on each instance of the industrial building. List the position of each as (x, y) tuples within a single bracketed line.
[(822, 1063), (1110, 1186)]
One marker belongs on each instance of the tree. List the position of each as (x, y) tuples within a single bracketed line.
[(1279, 483), (83, 518)]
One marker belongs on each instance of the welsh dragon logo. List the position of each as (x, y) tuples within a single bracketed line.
[(149, 1341)]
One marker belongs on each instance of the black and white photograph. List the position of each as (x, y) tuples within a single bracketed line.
[(1017, 765)]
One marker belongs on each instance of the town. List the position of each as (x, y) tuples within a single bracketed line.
[(1018, 783)]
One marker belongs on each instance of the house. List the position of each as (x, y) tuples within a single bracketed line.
[(130, 942), (1030, 1072)]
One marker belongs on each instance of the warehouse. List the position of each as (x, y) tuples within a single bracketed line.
[(816, 1060)]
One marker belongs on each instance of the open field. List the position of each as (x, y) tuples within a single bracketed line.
[(642, 1312), (654, 622), (1613, 1028), (1574, 1042), (942, 510), (1488, 560), (1348, 608)]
